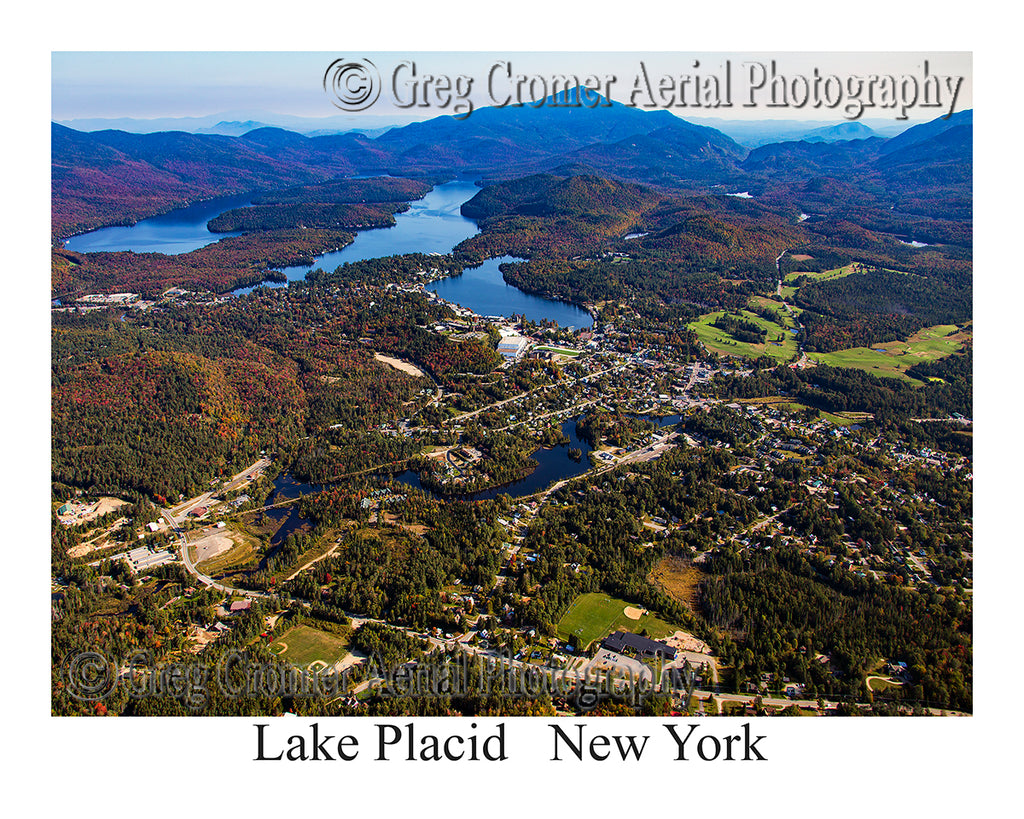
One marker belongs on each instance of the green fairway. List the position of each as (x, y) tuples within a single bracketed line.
[(787, 311), (595, 615), (824, 276), (893, 358), (303, 645), (780, 343)]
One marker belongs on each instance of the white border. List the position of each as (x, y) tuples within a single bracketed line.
[(840, 767)]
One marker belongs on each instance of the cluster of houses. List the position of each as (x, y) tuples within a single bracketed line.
[(134, 301)]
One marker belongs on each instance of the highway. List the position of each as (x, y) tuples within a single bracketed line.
[(179, 512), (174, 522), (190, 567)]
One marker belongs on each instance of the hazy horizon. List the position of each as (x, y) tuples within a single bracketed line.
[(251, 85)]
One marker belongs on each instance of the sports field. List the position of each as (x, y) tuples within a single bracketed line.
[(595, 615), (303, 645)]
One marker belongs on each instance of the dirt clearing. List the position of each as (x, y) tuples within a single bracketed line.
[(398, 364), (213, 544)]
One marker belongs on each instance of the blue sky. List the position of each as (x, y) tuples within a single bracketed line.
[(179, 84)]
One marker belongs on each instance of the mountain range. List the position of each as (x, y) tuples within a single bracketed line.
[(115, 177)]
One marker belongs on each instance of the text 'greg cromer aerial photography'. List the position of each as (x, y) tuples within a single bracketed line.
[(525, 384)]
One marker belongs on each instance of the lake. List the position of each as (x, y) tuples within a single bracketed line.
[(484, 291), (553, 464), (287, 487), (433, 224), (177, 231)]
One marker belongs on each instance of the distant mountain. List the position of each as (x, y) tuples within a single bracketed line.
[(236, 123), (115, 177), (811, 158), (610, 139), (952, 144), (927, 130), (233, 128), (755, 133), (367, 132), (837, 133), (925, 172), (933, 175), (135, 125), (678, 155), (497, 136), (922, 149)]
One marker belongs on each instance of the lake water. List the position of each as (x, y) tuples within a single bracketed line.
[(552, 465), (484, 291), (433, 224), (177, 231), (287, 487)]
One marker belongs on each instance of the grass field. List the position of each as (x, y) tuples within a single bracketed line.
[(893, 358), (721, 342), (779, 307), (824, 276), (557, 351), (303, 645), (593, 616), (846, 419), (842, 418)]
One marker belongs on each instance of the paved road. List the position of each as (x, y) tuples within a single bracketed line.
[(176, 516), (179, 512), (565, 410), (455, 419), (190, 567)]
